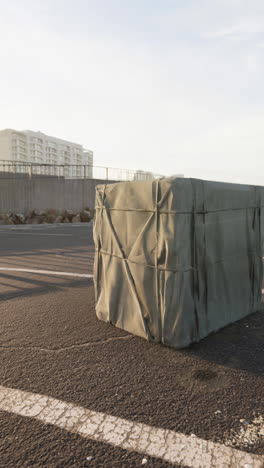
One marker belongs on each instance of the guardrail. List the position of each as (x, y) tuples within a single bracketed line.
[(69, 171)]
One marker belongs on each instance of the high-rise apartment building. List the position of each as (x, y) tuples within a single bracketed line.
[(36, 147)]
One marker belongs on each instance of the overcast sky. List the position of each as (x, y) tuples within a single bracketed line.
[(171, 86)]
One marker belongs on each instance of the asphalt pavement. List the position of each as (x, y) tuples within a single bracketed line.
[(52, 344)]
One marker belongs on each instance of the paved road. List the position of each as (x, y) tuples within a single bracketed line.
[(52, 344)]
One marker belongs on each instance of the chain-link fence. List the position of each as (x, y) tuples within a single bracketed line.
[(16, 169)]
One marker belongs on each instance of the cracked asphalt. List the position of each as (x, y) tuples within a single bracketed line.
[(52, 344)]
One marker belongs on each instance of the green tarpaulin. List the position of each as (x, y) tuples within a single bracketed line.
[(177, 259)]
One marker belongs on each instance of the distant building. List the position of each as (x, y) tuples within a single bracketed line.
[(143, 175), (36, 147), (88, 161)]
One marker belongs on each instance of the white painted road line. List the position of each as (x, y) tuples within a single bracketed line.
[(162, 443), (36, 234), (47, 272), (36, 227)]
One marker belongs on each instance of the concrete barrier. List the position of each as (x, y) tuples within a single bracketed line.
[(19, 195)]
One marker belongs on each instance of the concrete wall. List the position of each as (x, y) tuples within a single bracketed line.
[(19, 195)]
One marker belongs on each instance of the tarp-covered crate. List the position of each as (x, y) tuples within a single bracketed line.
[(177, 259)]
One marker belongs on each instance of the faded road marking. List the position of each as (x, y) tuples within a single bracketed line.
[(37, 234), (47, 272), (162, 443), (19, 227), (52, 272), (68, 348)]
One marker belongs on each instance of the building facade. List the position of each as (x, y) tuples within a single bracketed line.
[(143, 175), (38, 148)]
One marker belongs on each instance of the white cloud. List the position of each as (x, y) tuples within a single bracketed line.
[(239, 29)]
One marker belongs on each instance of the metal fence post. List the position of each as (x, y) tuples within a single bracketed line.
[(106, 173)]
